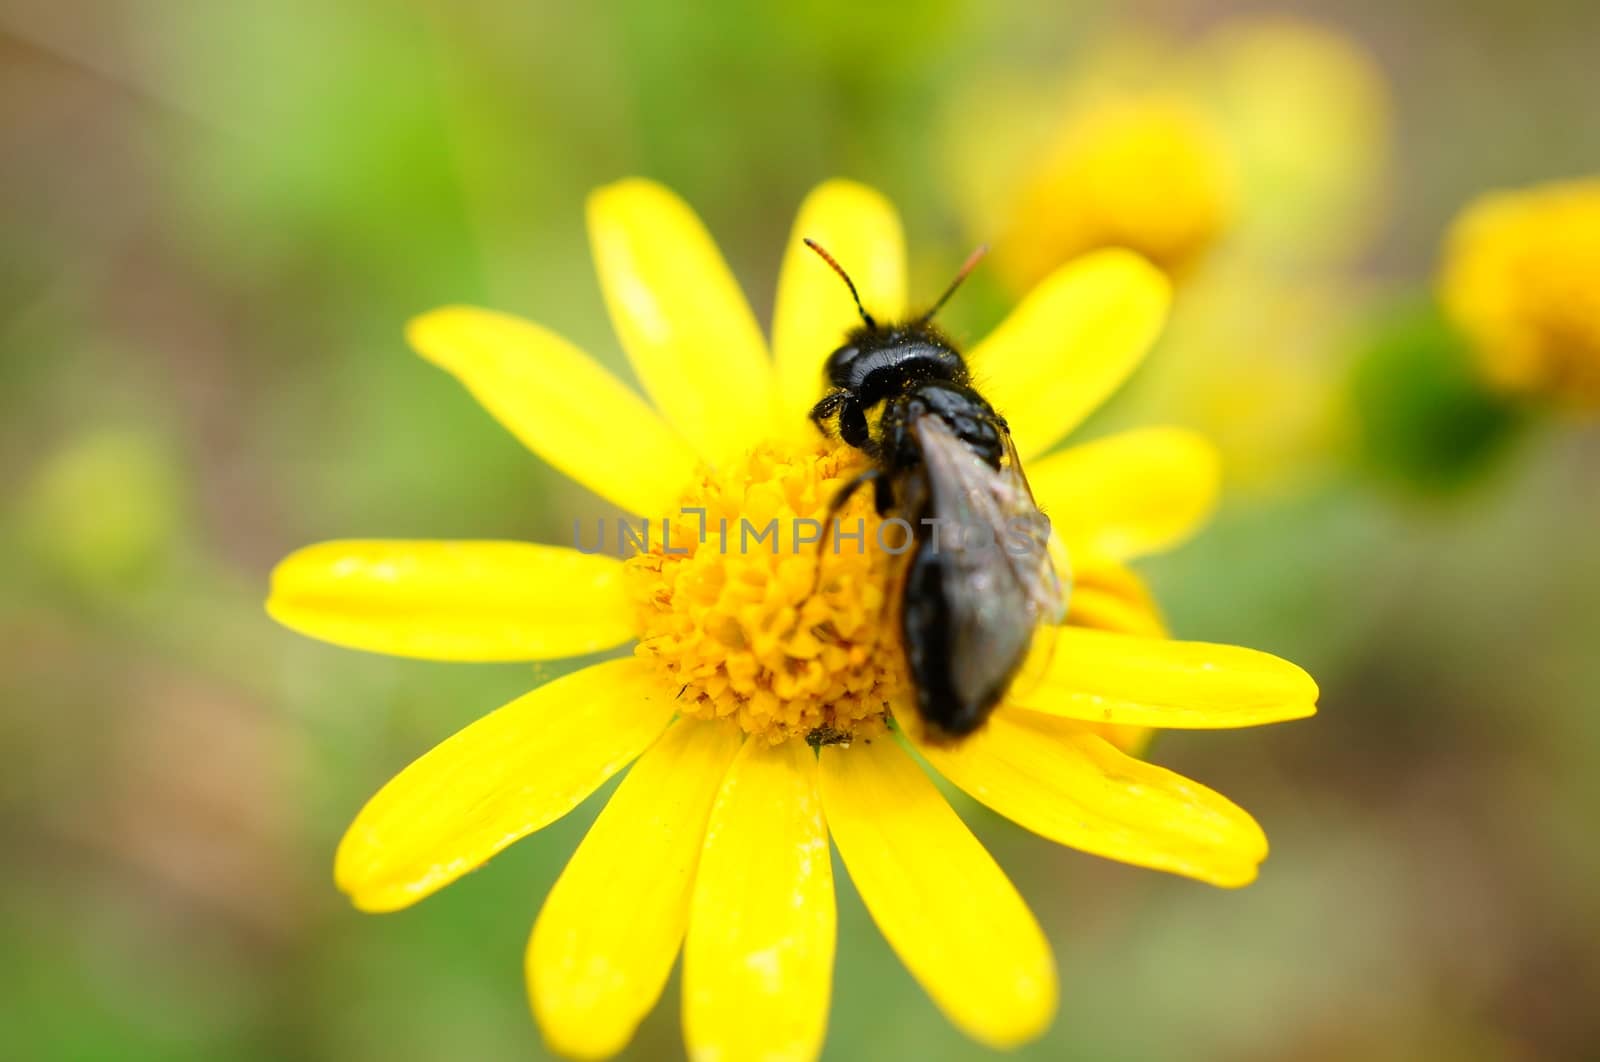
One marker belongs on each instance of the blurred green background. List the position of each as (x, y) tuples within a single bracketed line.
[(215, 220)]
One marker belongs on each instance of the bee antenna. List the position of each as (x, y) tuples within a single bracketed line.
[(961, 274), (837, 268)]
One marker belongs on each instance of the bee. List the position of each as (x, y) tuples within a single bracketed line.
[(980, 578)]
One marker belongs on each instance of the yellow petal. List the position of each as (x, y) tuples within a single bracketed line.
[(1057, 779), (1111, 597), (1103, 677), (814, 311), (1134, 740), (1070, 344), (453, 600), (758, 963), (944, 905), (1130, 494), (681, 317), (514, 771), (561, 403), (610, 929)]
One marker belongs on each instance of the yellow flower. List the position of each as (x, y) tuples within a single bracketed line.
[(1268, 136), (1145, 172), (1247, 164), (717, 839), (1521, 278), (1306, 115)]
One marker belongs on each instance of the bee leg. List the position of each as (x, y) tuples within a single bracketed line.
[(824, 410), (883, 495), (880, 485), (851, 423)]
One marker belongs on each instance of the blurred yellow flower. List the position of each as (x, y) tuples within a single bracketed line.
[(717, 839), (1269, 134), (1149, 173), (1247, 164), (1521, 277), (1305, 110)]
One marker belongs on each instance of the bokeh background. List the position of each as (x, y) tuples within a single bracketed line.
[(215, 220)]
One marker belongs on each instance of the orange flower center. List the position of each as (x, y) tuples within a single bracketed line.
[(738, 615)]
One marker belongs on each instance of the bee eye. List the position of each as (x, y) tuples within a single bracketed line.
[(839, 362)]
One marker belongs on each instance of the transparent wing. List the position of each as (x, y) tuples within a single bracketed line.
[(996, 572)]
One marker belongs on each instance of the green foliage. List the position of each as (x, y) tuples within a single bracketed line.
[(1424, 420)]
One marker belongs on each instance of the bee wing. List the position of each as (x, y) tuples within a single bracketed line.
[(997, 577), (1048, 595)]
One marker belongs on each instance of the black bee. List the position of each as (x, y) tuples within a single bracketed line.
[(980, 577)]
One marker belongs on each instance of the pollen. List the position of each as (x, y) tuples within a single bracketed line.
[(1149, 173), (1521, 278), (758, 608)]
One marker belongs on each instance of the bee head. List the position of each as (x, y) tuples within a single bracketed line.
[(917, 348), (915, 345)]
